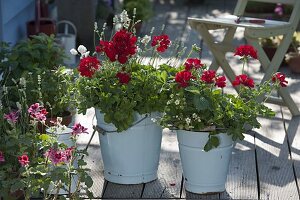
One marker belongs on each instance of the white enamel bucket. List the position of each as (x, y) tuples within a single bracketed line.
[(204, 172), (131, 156)]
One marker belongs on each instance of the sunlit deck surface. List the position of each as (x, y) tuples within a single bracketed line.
[(266, 165)]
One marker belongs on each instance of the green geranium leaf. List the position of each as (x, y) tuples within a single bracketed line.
[(212, 142), (193, 90), (88, 181), (200, 103)]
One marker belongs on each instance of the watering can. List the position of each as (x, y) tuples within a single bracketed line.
[(67, 39)]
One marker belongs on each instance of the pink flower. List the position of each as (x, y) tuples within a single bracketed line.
[(23, 160), (221, 81), (244, 80), (59, 156), (208, 76), (280, 78), (78, 129), (12, 117), (2, 159), (192, 63), (37, 112)]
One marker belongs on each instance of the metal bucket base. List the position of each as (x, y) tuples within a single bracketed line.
[(119, 179), (204, 189)]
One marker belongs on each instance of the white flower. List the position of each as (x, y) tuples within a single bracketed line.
[(199, 120), (124, 17), (86, 54), (177, 102), (154, 120), (19, 106), (95, 26), (82, 49), (188, 120), (195, 115), (146, 39), (118, 27), (176, 116), (22, 81), (168, 102), (73, 52), (172, 95)]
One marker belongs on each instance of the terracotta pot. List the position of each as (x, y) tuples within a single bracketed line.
[(46, 26), (294, 62)]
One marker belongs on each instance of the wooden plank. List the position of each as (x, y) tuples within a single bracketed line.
[(292, 126), (189, 195), (168, 184), (242, 178), (276, 178), (120, 191)]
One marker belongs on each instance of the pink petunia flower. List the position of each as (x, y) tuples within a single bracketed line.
[(78, 129), (12, 117), (23, 160)]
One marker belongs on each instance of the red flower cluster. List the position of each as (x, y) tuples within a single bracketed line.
[(183, 78), (88, 66), (23, 160), (123, 77), (245, 51), (37, 112), (208, 76), (244, 80), (279, 77), (192, 63), (221, 81), (121, 47), (162, 42)]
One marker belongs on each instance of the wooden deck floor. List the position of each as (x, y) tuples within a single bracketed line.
[(266, 165)]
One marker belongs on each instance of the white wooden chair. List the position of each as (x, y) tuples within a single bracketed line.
[(252, 32)]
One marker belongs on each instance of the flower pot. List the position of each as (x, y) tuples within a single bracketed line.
[(63, 136), (131, 156), (204, 172), (294, 62)]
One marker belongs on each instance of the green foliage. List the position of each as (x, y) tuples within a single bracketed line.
[(143, 9), (36, 61), (119, 102), (202, 105)]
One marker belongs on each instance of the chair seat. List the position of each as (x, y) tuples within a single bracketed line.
[(229, 21)]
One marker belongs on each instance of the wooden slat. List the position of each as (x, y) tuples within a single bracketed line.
[(276, 178), (242, 178), (118, 191), (168, 184)]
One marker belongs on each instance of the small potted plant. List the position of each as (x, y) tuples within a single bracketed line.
[(293, 58), (33, 164), (125, 88), (208, 121)]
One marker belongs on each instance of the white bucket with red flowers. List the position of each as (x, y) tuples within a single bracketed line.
[(131, 156), (204, 172), (63, 135)]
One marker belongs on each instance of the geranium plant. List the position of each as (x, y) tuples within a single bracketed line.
[(198, 102), (33, 164), (118, 79)]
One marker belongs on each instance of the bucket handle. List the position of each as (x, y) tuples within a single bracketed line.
[(67, 24)]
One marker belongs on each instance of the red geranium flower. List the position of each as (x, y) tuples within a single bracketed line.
[(244, 80), (279, 77), (221, 81), (162, 42), (123, 77), (23, 160), (121, 47), (208, 76), (192, 63), (246, 51), (183, 78), (88, 66)]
